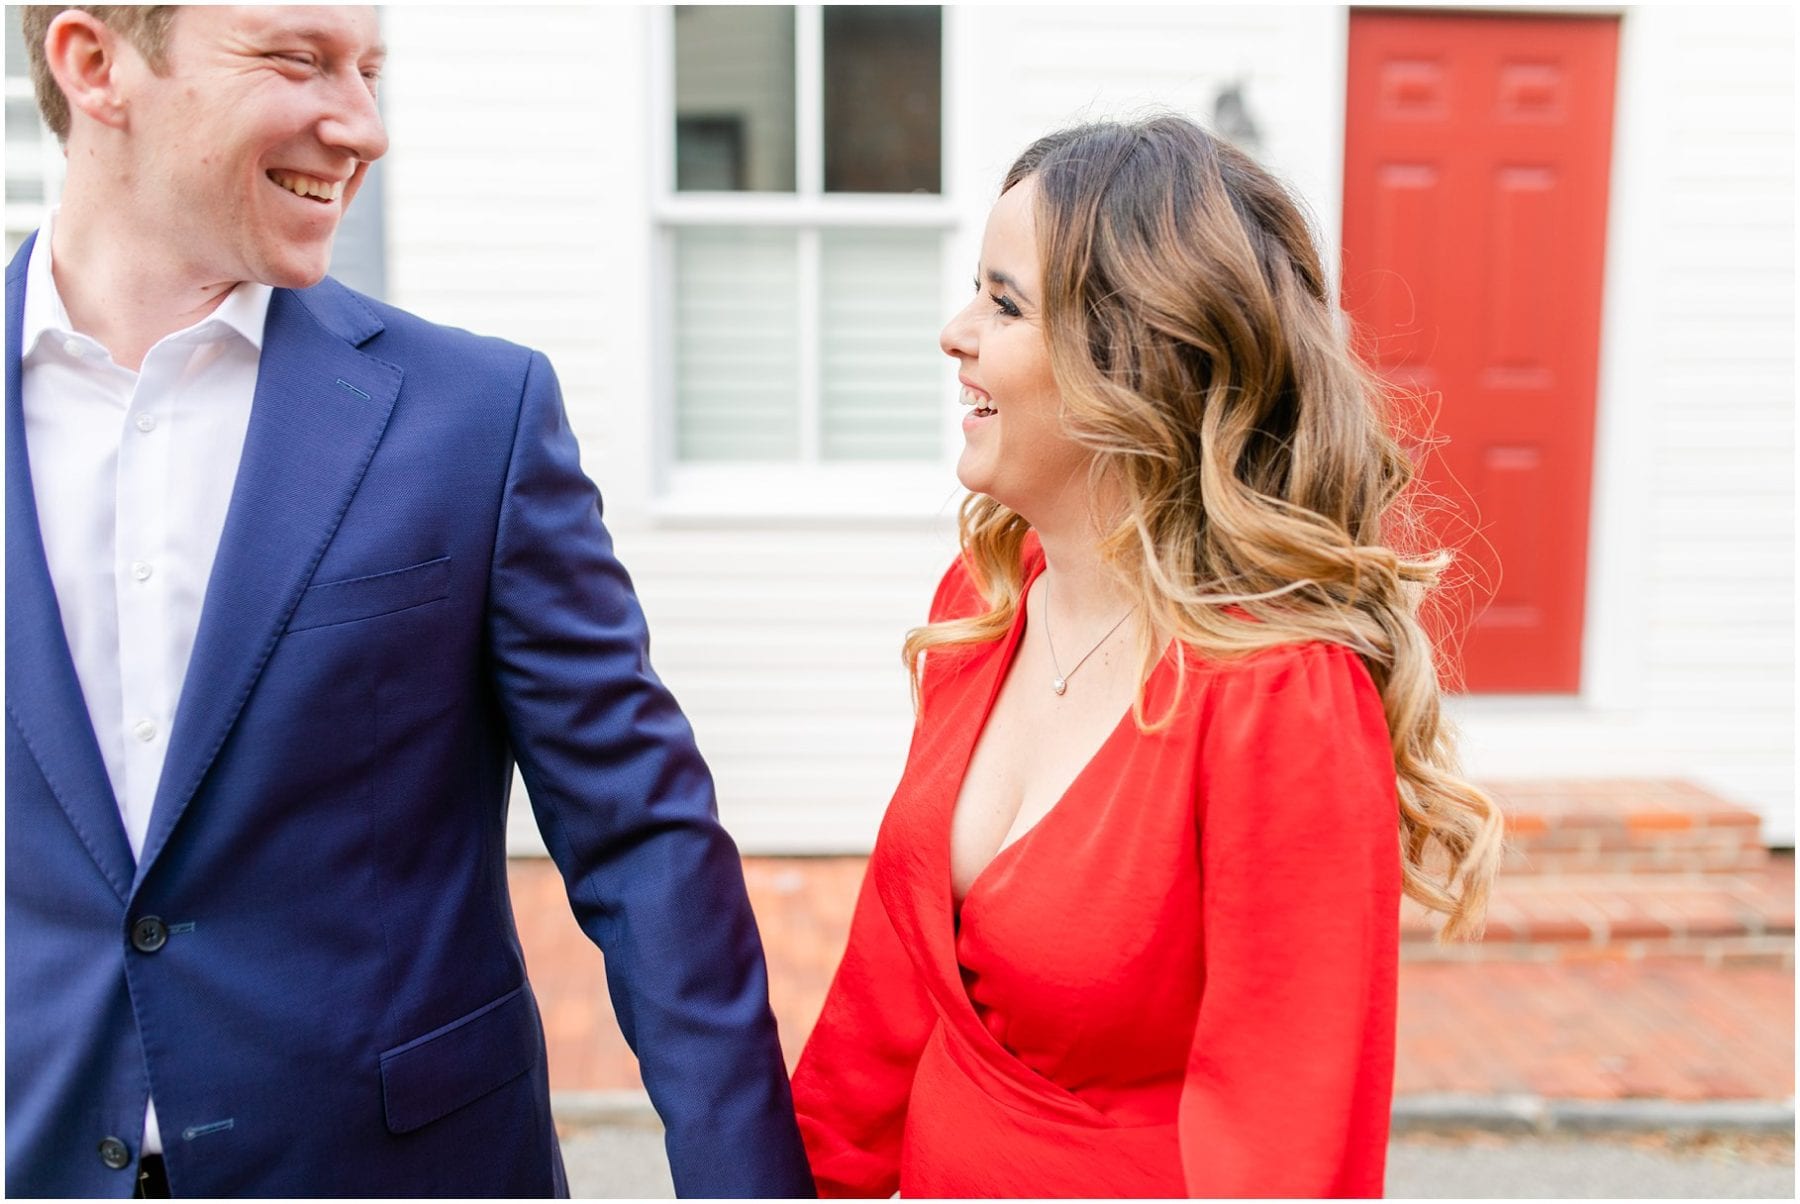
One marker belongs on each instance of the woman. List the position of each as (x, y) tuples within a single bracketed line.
[(1130, 925)]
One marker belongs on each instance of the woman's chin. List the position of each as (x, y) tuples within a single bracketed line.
[(979, 474), (983, 485), (970, 475), (979, 482)]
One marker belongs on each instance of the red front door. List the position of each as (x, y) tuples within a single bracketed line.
[(1475, 177)]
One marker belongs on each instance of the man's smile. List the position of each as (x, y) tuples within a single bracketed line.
[(311, 187)]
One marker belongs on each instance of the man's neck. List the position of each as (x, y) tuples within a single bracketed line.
[(123, 292)]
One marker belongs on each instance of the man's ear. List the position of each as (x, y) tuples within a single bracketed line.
[(82, 53)]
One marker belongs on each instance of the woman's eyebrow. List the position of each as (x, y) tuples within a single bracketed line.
[(1007, 282)]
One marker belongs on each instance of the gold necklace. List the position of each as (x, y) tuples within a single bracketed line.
[(1059, 685)]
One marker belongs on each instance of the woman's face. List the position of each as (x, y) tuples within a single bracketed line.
[(1014, 447)]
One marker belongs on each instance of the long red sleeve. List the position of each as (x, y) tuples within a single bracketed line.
[(1290, 1073)]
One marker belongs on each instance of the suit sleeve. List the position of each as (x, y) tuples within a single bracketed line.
[(626, 807), (855, 1075), (1290, 1073)]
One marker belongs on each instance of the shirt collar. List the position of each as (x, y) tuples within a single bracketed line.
[(244, 311), (44, 314)]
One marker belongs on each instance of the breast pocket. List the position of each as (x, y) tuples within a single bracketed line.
[(333, 602)]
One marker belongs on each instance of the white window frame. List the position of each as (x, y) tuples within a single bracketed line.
[(808, 487)]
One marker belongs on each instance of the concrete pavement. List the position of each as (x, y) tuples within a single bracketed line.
[(626, 1161)]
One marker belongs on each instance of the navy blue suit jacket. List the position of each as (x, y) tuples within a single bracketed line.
[(413, 589)]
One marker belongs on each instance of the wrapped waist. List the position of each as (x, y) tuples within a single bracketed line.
[(975, 1130)]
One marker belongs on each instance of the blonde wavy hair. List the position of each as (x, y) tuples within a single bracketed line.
[(1200, 356)]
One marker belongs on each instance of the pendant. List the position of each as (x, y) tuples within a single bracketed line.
[(1060, 686)]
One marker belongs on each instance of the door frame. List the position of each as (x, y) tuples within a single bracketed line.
[(1616, 617)]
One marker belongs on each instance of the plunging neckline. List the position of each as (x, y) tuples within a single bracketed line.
[(911, 865), (1001, 669), (959, 1006)]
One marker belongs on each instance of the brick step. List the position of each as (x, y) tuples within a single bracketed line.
[(1625, 826), (1744, 918)]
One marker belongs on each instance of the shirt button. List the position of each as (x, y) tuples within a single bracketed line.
[(140, 571), (146, 423), (114, 1154), (144, 730), (73, 347)]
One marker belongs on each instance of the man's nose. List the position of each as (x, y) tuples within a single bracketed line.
[(354, 123)]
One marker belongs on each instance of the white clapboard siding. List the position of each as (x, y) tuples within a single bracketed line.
[(518, 193), (1032, 69), (1720, 648), (519, 205), (783, 647)]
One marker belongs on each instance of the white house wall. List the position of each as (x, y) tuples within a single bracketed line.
[(1721, 618), (519, 204), (1024, 71)]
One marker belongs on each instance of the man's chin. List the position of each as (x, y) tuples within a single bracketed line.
[(294, 275)]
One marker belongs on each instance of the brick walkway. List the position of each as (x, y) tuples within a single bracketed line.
[(1592, 1020)]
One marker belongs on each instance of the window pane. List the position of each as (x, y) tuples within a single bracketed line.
[(734, 98), (882, 89), (737, 379), (881, 379)]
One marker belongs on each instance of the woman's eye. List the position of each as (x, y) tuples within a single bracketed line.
[(1004, 304)]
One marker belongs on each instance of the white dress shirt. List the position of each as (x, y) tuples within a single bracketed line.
[(132, 473)]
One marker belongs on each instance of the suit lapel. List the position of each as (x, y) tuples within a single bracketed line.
[(320, 410), (43, 694)]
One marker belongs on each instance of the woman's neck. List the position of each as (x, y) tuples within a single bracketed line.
[(1086, 591)]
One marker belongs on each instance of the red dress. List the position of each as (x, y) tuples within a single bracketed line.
[(1181, 981)]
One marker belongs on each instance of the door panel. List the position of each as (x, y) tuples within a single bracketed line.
[(1475, 190)]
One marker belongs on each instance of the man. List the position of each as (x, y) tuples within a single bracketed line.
[(292, 579)]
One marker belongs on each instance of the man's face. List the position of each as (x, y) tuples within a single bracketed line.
[(246, 152)]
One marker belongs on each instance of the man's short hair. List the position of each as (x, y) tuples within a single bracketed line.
[(145, 26)]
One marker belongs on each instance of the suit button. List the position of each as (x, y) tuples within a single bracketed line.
[(149, 934), (114, 1154)]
